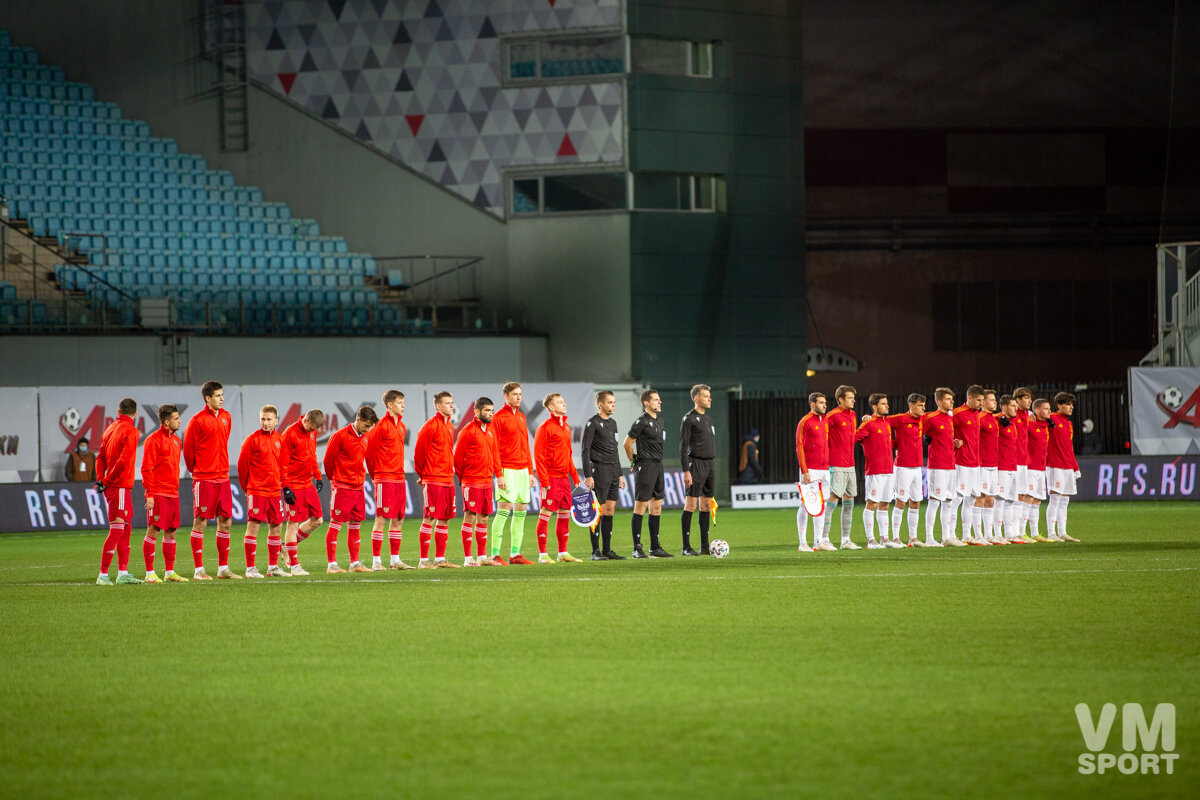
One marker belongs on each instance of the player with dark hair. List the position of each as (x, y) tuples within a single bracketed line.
[(843, 478), (1006, 470), (385, 462), (258, 473), (908, 468), (1035, 489), (345, 466), (433, 458), (966, 466), (1024, 399), (160, 482), (512, 436), (1062, 468), (602, 471), (938, 429), (556, 475), (114, 478), (989, 429), (648, 434), (206, 453), (298, 472), (812, 452), (476, 463), (875, 436), (697, 449)]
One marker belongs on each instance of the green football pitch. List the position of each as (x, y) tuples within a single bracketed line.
[(893, 673)]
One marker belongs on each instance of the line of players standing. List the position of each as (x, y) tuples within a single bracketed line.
[(280, 476), (995, 458)]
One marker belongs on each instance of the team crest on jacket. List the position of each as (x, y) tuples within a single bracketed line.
[(584, 508)]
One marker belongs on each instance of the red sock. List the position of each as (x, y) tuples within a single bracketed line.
[(481, 538), (466, 539), (376, 543), (148, 545), (169, 554), (274, 544), (394, 539), (123, 547), (222, 550), (111, 543), (426, 535), (331, 541), (198, 548), (302, 534), (441, 534), (293, 553), (543, 528), (562, 530), (251, 545), (354, 538)]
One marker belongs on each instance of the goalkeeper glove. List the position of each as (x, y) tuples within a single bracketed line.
[(99, 486), (289, 496), (320, 484), (1004, 421), (1050, 422)]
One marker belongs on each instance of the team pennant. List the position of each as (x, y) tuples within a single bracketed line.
[(813, 499), (585, 511)]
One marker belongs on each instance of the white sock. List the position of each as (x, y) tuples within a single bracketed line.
[(1009, 518), (950, 519), (334, 564), (932, 509), (121, 572), (827, 523), (1063, 502), (802, 525), (897, 519), (868, 523), (914, 519), (989, 516), (395, 560), (881, 517), (1034, 522)]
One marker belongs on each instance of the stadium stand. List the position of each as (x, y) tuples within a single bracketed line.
[(146, 221)]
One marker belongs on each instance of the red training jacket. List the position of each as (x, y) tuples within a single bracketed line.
[(344, 453), (476, 455), (385, 449), (433, 454), (118, 453), (298, 457), (258, 463), (160, 463), (206, 445), (552, 451)]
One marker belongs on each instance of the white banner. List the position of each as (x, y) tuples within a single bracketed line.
[(71, 413), (340, 402), (19, 434), (765, 495), (1164, 410)]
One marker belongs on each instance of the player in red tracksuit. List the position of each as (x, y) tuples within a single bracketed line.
[(909, 429), (556, 475), (477, 463), (298, 471), (160, 482), (345, 455), (258, 472), (812, 452), (875, 436), (939, 430), (1062, 468), (114, 477), (206, 453), (968, 477), (385, 462), (433, 459)]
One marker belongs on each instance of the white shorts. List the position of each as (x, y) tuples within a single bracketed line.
[(821, 476), (967, 480), (987, 481), (880, 488), (1006, 485), (1061, 481), (908, 484), (941, 484), (844, 481), (1022, 478), (1035, 485)]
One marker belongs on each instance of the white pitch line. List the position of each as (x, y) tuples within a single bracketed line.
[(634, 578)]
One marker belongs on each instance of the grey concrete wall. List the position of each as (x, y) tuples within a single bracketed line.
[(135, 360), (574, 275)]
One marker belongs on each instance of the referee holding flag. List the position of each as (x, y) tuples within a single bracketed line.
[(697, 447)]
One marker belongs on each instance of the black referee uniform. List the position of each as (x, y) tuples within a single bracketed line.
[(648, 434), (601, 464), (697, 448)]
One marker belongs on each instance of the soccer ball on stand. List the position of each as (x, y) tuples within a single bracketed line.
[(1172, 396), (719, 548), (71, 419)]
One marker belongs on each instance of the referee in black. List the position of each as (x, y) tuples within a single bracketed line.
[(648, 433), (602, 471), (697, 447)]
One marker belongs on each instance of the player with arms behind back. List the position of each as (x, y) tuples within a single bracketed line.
[(433, 458), (385, 462), (1062, 468), (206, 453), (160, 482), (114, 477), (347, 472), (298, 472), (648, 434), (258, 473)]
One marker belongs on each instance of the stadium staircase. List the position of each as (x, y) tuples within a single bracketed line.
[(1178, 312), (102, 215)]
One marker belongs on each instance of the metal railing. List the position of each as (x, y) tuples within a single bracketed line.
[(1177, 305)]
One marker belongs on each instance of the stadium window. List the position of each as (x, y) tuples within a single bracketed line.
[(559, 59), (655, 56), (565, 193), (655, 191)]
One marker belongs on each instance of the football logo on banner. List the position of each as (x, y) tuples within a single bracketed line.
[(585, 511), (813, 499)]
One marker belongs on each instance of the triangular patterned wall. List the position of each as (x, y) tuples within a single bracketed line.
[(420, 80)]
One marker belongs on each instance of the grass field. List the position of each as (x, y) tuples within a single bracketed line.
[(894, 673)]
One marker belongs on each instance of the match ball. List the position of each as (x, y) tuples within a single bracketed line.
[(1172, 397), (719, 548), (71, 419)]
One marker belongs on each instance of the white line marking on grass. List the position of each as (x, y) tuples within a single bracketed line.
[(632, 578)]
